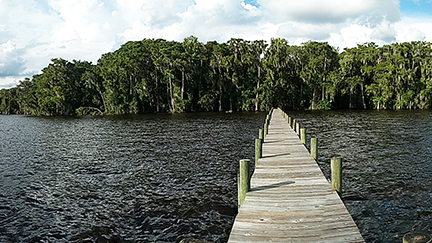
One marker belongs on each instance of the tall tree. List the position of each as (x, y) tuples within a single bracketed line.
[(321, 59)]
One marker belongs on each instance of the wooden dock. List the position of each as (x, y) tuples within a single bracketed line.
[(290, 199)]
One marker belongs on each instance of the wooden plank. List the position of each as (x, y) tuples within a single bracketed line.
[(290, 199)]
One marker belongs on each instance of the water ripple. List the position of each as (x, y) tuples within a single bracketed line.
[(152, 178), (387, 186)]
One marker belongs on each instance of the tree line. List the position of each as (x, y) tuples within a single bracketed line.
[(155, 75)]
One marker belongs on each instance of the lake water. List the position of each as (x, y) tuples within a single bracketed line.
[(164, 178), (387, 167), (149, 178)]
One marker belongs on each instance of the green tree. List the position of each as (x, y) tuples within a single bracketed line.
[(320, 60), (57, 89), (9, 101), (277, 64)]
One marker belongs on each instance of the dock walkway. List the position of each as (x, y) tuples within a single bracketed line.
[(290, 199)]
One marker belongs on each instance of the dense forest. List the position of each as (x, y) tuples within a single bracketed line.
[(155, 75)]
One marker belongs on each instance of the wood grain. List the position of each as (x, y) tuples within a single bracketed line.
[(290, 199)]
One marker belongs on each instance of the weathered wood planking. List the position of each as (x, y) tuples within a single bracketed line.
[(290, 199)]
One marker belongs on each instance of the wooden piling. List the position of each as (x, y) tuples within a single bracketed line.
[(267, 124), (336, 174), (258, 150), (261, 137), (417, 237), (289, 121), (303, 135), (243, 183), (314, 148), (261, 134), (298, 128), (294, 125)]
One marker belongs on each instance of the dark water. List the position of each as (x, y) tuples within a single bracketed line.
[(152, 178), (164, 178), (387, 167)]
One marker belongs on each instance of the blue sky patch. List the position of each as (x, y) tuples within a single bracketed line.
[(252, 2), (415, 7)]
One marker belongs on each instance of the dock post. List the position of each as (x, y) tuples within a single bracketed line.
[(243, 183), (314, 148), (279, 172), (298, 128), (289, 121), (417, 237), (294, 125), (258, 150), (261, 134), (303, 135), (336, 174)]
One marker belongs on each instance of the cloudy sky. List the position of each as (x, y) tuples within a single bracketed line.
[(34, 31)]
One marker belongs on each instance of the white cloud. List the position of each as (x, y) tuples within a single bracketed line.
[(334, 11), (86, 25), (414, 34), (351, 35), (158, 14), (249, 7), (384, 32), (25, 24), (307, 30), (10, 81), (209, 20), (414, 29), (10, 61), (34, 31)]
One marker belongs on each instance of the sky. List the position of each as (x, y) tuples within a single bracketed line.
[(32, 32)]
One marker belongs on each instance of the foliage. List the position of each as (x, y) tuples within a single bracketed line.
[(323, 105), (155, 75)]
